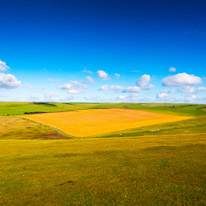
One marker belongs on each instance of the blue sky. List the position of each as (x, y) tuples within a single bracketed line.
[(70, 50)]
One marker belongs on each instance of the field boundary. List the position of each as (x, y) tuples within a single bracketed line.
[(53, 128)]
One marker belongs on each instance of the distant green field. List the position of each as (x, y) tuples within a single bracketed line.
[(16, 108), (154, 165)]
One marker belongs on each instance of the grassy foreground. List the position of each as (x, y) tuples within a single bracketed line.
[(155, 165), (137, 171)]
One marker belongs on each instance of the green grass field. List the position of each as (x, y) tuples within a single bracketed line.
[(8, 108), (153, 165)]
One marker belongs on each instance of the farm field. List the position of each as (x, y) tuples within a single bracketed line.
[(100, 121), (158, 164)]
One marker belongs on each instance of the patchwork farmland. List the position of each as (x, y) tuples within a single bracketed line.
[(128, 154), (100, 121)]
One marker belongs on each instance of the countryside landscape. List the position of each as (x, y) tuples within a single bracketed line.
[(158, 163), (102, 103)]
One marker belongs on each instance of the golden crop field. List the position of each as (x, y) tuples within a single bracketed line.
[(85, 123)]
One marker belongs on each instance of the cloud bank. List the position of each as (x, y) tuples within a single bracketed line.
[(181, 79)]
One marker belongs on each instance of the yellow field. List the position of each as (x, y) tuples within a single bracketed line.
[(99, 121)]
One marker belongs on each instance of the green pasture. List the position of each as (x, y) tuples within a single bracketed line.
[(17, 108)]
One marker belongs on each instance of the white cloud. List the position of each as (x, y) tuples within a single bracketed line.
[(144, 82), (134, 89), (117, 75), (189, 89), (148, 87), (181, 79), (73, 91), (3, 66), (201, 88), (66, 86), (162, 95), (190, 99), (129, 98), (78, 85), (102, 75), (172, 91), (166, 94), (89, 80), (104, 87), (9, 81), (121, 97), (172, 69), (117, 88), (96, 98), (87, 71), (73, 87)]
